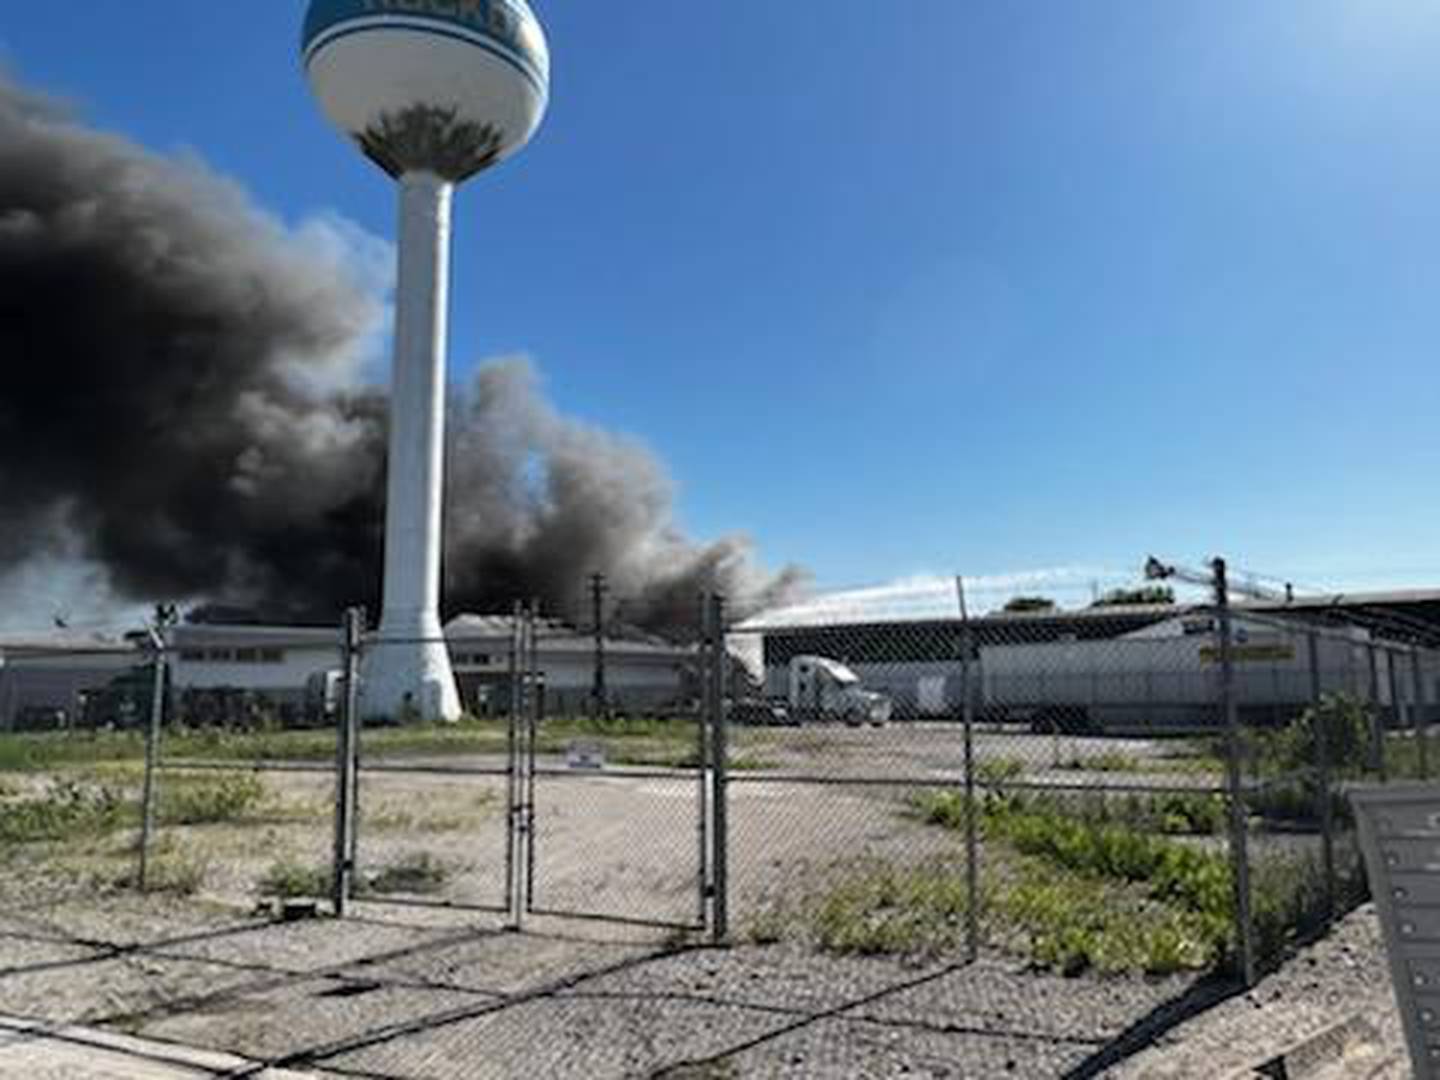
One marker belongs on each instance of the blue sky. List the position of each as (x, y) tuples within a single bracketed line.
[(929, 285)]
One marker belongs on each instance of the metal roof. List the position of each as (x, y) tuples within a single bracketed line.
[(63, 642), (556, 636)]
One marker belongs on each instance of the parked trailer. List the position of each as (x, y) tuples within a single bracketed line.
[(1163, 676), (1156, 679)]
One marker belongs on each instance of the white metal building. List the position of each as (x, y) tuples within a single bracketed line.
[(275, 663), (640, 674), (51, 673)]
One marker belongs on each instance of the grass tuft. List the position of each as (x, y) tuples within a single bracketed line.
[(290, 880), (205, 800), (998, 770), (67, 810), (882, 909)]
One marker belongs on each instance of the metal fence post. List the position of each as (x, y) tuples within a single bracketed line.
[(1392, 674), (1320, 729), (534, 705), (705, 884), (346, 738), (512, 779), (1377, 718), (152, 759), (1239, 824), (720, 861), (353, 807), (1419, 721), (972, 839)]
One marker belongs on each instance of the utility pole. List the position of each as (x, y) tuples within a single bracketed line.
[(597, 608)]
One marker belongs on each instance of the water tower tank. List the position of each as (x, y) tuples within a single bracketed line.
[(443, 86)]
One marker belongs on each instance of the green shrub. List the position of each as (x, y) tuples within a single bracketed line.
[(1346, 726)]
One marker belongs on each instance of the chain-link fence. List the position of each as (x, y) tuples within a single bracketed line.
[(1132, 785)]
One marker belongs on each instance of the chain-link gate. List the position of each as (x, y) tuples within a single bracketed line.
[(430, 824), (612, 809), (605, 817)]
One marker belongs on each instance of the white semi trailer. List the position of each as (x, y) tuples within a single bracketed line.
[(1170, 675), (823, 689)]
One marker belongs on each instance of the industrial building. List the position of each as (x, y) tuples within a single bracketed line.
[(1110, 666), (221, 673), (641, 674), (45, 679), (1106, 667)]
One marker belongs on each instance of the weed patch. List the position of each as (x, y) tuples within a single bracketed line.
[(1287, 901), (1089, 890), (1176, 813), (289, 880), (206, 800), (1073, 924), (998, 770), (68, 810), (169, 872), (885, 910)]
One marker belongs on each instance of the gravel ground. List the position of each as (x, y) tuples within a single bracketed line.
[(408, 992), (1341, 977), (389, 995)]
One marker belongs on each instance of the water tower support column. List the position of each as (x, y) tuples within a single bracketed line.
[(410, 620)]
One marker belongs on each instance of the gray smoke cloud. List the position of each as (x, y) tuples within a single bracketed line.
[(183, 407)]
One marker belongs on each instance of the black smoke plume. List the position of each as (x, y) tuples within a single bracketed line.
[(182, 406)]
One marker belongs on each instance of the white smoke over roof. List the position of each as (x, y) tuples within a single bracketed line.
[(930, 598)]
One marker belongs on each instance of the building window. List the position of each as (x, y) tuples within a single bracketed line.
[(234, 656)]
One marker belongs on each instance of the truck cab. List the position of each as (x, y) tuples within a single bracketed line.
[(821, 689)]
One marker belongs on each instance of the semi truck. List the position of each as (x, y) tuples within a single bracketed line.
[(821, 689)]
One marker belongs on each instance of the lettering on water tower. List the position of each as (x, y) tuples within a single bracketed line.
[(495, 16)]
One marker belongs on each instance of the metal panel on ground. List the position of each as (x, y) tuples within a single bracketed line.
[(1400, 837)]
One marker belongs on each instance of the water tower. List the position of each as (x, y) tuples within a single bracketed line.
[(433, 91)]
